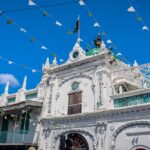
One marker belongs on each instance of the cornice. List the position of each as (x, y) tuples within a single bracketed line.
[(131, 93), (77, 63), (105, 114), (21, 105)]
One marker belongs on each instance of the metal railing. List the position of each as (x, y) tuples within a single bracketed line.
[(18, 137)]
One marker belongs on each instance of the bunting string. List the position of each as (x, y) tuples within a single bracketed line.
[(132, 9), (103, 33), (57, 22), (10, 62), (34, 39)]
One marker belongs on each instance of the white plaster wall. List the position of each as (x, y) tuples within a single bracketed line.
[(61, 105), (124, 141)]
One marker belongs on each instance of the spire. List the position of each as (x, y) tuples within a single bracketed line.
[(135, 64), (24, 83), (6, 88), (54, 61), (47, 62)]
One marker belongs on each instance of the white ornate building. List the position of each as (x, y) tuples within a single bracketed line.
[(94, 101)]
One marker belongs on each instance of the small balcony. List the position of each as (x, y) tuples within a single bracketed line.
[(18, 137), (132, 98)]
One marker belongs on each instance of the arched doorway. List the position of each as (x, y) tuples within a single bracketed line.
[(73, 141), (140, 149)]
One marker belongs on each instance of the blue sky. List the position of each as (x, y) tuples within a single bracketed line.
[(120, 26)]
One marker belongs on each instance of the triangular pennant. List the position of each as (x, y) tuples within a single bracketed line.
[(96, 24), (119, 54), (58, 23), (33, 39), (131, 9), (45, 13), (10, 21), (109, 41), (44, 47), (10, 62), (23, 30), (31, 3), (104, 33), (81, 2), (70, 32), (90, 14), (54, 54), (139, 19), (145, 28), (33, 70)]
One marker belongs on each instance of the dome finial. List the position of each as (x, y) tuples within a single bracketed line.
[(98, 41)]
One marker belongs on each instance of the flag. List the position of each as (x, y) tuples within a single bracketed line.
[(44, 47), (90, 14), (58, 23), (45, 13), (10, 62), (131, 9), (23, 30), (103, 33), (10, 21), (76, 28), (31, 3), (145, 28), (139, 19), (109, 41), (69, 32), (81, 2), (96, 24), (119, 54), (33, 70)]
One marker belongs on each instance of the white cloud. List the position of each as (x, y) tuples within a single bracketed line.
[(4, 78)]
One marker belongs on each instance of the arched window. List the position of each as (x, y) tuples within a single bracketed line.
[(73, 141), (74, 103)]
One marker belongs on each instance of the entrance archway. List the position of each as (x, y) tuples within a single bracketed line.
[(140, 149), (73, 141)]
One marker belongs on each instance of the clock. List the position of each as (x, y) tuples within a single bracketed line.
[(75, 55)]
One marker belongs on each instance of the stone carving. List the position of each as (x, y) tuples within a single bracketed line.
[(101, 135), (50, 98), (100, 78), (46, 132), (77, 76)]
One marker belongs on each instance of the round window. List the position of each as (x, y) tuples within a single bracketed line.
[(75, 55), (75, 86)]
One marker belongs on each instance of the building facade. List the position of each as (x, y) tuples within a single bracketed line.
[(94, 101)]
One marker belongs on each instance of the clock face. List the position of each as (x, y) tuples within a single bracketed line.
[(75, 54), (75, 85)]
